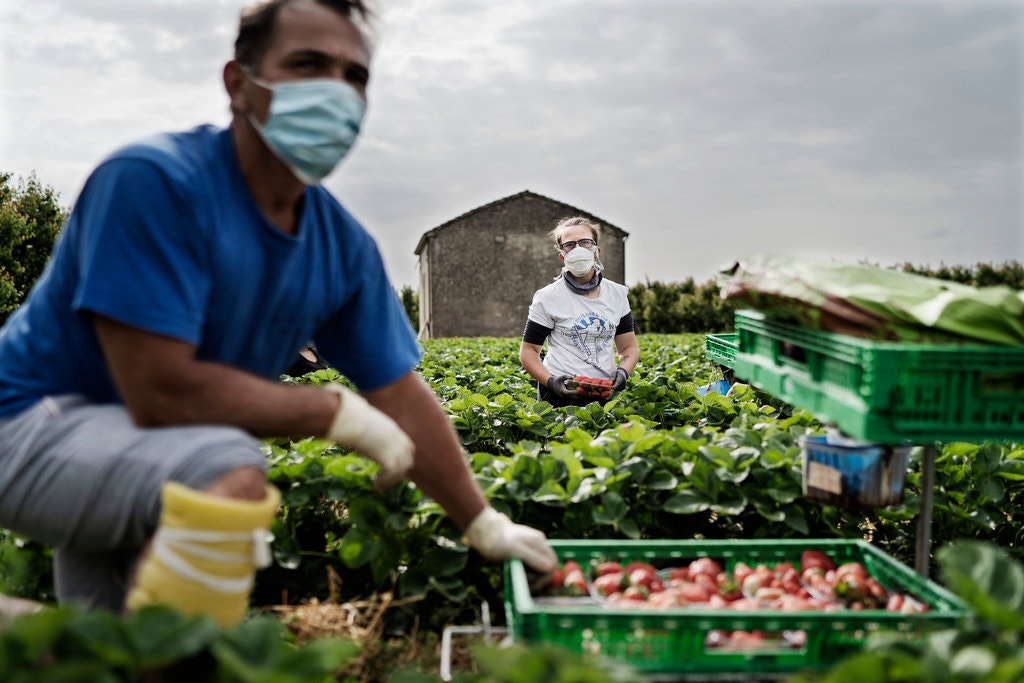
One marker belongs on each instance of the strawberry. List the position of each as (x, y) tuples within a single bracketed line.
[(679, 573), (727, 587), (810, 559), (602, 568), (704, 565), (691, 592), (633, 566), (606, 584), (575, 583), (635, 593), (643, 577), (741, 571)]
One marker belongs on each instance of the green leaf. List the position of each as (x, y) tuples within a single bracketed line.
[(567, 455), (973, 662), (161, 636), (287, 551), (442, 561), (638, 468), (358, 548), (988, 579), (599, 460), (960, 449), (991, 488), (583, 488), (730, 502), (717, 456), (687, 502), (552, 493), (611, 510), (745, 456), (731, 477), (862, 668), (649, 441), (988, 458), (318, 659), (796, 519), (661, 480), (629, 529), (524, 477), (771, 513), (450, 587), (251, 651), (552, 469)]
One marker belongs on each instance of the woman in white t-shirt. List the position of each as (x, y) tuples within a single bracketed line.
[(585, 319)]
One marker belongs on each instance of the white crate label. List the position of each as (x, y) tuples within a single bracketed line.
[(824, 478)]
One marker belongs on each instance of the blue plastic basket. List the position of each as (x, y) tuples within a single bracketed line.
[(853, 477)]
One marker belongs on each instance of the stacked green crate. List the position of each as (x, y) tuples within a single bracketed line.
[(886, 392)]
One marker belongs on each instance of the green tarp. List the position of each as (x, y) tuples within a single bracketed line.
[(876, 303)]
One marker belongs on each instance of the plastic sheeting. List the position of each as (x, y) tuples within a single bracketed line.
[(876, 303)]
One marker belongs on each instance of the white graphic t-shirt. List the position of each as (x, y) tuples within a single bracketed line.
[(582, 341)]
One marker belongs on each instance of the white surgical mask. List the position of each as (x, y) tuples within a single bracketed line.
[(579, 261), (312, 124)]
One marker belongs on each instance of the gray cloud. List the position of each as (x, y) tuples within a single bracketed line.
[(868, 130)]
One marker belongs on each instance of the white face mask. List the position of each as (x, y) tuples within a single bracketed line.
[(579, 261)]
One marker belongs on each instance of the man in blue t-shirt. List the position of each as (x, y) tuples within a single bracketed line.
[(139, 375)]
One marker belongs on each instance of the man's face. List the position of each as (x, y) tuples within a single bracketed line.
[(312, 41)]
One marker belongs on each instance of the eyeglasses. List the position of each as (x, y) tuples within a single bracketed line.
[(572, 244)]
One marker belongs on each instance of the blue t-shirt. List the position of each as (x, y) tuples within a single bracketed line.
[(167, 238)]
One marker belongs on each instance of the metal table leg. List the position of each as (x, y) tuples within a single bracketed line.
[(924, 517)]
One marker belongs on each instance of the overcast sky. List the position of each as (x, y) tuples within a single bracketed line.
[(707, 129)]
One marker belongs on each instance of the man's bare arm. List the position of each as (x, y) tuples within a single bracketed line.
[(440, 468), (162, 383)]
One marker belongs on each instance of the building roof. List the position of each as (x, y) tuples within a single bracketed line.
[(569, 211)]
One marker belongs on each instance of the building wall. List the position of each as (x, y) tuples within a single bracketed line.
[(479, 271)]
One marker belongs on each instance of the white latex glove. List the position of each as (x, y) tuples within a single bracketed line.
[(359, 425), (497, 537)]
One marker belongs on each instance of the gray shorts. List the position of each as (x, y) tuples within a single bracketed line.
[(85, 480)]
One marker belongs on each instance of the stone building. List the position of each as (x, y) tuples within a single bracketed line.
[(478, 271)]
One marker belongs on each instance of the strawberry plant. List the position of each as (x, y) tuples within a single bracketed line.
[(657, 461), (156, 643)]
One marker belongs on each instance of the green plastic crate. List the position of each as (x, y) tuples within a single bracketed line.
[(676, 641), (721, 348), (886, 392)]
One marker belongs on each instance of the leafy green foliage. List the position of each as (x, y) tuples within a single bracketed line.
[(30, 219), (411, 304), (157, 643), (25, 568), (1009, 273), (672, 308)]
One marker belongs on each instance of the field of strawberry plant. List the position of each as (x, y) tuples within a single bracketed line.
[(659, 461)]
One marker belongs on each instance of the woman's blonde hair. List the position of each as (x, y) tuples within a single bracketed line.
[(563, 225)]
